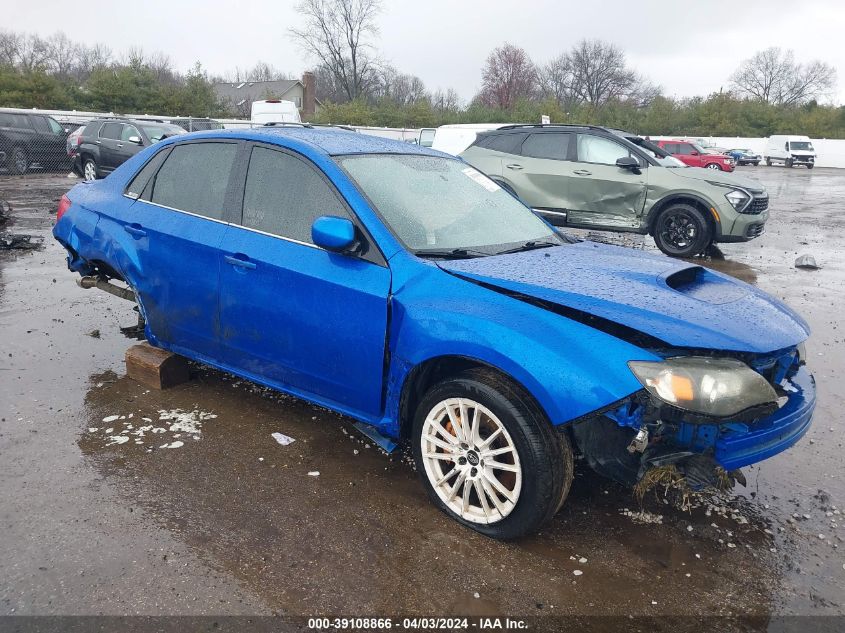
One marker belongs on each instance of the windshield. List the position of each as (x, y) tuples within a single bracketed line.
[(698, 148), (434, 203), (157, 132), (801, 145)]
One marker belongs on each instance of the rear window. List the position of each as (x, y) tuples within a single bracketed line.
[(136, 187), (554, 146), (194, 178), (12, 119)]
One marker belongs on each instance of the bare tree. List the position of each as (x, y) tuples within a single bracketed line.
[(557, 81), (262, 71), (62, 54), (508, 75), (448, 101), (10, 46), (337, 34), (32, 53), (401, 88), (600, 73), (773, 76), (89, 59)]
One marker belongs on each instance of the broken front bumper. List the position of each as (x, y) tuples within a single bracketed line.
[(774, 434)]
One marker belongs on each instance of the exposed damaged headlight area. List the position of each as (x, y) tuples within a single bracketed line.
[(705, 417)]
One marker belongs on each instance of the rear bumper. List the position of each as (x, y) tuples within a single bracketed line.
[(776, 433)]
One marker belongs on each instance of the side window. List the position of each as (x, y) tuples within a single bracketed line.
[(136, 187), (111, 130), (129, 130), (20, 121), (684, 148), (597, 149), (507, 143), (552, 145), (284, 195), (40, 124), (92, 129), (194, 178), (54, 126)]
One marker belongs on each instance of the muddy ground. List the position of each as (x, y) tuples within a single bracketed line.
[(215, 517)]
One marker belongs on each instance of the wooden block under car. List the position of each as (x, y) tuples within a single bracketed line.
[(155, 367)]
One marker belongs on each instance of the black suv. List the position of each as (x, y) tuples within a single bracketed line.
[(105, 144), (27, 139)]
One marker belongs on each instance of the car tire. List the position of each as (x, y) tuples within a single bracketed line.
[(714, 166), (18, 162), (788, 163), (502, 503), (90, 170), (681, 230), (810, 165), (768, 162), (756, 163)]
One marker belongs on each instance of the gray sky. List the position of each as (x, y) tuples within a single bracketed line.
[(688, 47)]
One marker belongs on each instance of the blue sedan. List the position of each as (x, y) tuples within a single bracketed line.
[(401, 287)]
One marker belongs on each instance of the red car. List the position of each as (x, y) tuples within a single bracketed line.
[(695, 156)]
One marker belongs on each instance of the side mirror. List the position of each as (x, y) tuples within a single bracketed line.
[(334, 234), (693, 153), (628, 162), (135, 139)]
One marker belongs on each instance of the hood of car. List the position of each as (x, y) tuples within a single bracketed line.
[(680, 304), (722, 177)]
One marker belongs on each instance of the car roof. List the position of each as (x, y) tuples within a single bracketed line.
[(331, 141)]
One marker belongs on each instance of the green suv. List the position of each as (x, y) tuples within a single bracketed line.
[(599, 178)]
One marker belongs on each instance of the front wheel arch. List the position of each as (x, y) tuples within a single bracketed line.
[(703, 206), (434, 370)]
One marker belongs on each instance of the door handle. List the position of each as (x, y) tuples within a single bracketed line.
[(120, 144), (135, 230), (514, 166), (582, 172), (240, 261)]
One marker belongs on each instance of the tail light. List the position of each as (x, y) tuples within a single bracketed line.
[(64, 205)]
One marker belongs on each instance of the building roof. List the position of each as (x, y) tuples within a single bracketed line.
[(330, 141), (249, 91)]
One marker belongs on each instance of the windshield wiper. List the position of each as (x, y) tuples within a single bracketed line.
[(452, 253), (528, 246)]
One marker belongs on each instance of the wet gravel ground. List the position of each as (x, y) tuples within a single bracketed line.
[(201, 511)]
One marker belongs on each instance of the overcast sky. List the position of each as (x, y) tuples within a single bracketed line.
[(689, 47)]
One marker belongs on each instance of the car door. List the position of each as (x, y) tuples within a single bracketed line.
[(688, 154), (108, 141), (603, 194), (171, 237), (50, 141), (542, 173), (294, 315), (130, 143)]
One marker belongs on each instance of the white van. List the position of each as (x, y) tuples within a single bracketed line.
[(455, 138), (274, 111), (790, 150)]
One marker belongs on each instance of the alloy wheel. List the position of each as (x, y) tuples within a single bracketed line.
[(471, 460), (90, 170), (679, 230), (714, 166)]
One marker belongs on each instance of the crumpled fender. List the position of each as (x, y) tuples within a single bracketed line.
[(570, 368)]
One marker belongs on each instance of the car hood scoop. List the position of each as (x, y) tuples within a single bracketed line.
[(679, 304)]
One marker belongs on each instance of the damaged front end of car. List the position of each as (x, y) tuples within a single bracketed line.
[(700, 418)]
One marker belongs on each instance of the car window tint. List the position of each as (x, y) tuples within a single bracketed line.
[(6, 120), (129, 130), (40, 124), (194, 178), (284, 195), (549, 145), (507, 143), (54, 126), (92, 128), (597, 149), (684, 148), (136, 187), (111, 130)]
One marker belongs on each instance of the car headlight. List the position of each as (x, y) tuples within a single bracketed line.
[(718, 387), (738, 199)]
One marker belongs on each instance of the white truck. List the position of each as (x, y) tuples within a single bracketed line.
[(274, 111), (790, 150)]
